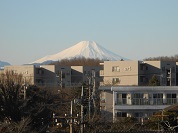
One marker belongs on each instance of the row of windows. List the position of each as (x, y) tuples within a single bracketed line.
[(141, 95), (136, 114), (150, 99), (144, 67), (155, 101)]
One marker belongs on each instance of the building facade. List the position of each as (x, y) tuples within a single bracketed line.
[(138, 72), (135, 101), (57, 76), (86, 75)]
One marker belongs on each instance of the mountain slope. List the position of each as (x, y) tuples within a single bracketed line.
[(2, 64), (87, 49)]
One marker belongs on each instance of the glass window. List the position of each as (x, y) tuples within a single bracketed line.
[(115, 69), (103, 97), (158, 99), (121, 114), (115, 80), (163, 69), (171, 99), (121, 98)]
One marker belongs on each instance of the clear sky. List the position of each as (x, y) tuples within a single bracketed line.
[(135, 29)]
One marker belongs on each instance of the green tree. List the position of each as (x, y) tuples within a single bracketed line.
[(154, 81)]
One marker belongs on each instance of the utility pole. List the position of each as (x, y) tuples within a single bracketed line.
[(24, 89), (71, 119), (81, 119), (61, 79), (94, 92), (89, 99), (170, 77)]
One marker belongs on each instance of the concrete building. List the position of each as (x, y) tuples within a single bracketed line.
[(28, 72), (136, 101), (44, 75), (86, 74), (138, 72), (57, 76)]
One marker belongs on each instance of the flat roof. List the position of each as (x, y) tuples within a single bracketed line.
[(140, 88)]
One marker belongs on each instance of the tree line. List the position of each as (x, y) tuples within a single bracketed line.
[(78, 62), (163, 58)]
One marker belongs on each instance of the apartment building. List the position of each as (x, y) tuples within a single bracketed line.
[(125, 91), (28, 72), (135, 101), (53, 76), (136, 73), (86, 75), (57, 76)]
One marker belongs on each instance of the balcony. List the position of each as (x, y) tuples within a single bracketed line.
[(143, 101)]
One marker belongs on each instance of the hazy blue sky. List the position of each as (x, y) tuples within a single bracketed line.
[(134, 29)]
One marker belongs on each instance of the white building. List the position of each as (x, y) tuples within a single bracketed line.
[(136, 101)]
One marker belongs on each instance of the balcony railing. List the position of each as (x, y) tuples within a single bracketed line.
[(171, 101), (143, 101)]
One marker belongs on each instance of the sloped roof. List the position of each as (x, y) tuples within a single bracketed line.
[(173, 107)]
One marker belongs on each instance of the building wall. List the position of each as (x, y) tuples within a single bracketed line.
[(138, 72), (92, 72), (106, 104), (57, 76), (45, 75), (137, 101), (161, 69), (176, 73), (63, 76), (120, 73), (26, 70), (168, 72), (76, 75), (86, 74)]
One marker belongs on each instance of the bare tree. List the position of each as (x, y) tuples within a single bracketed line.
[(78, 62)]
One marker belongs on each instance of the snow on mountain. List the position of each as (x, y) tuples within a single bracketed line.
[(3, 63), (87, 49)]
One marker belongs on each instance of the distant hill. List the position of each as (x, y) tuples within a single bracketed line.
[(83, 49), (162, 58), (78, 62), (2, 64)]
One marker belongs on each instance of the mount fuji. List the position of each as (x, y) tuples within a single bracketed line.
[(86, 49)]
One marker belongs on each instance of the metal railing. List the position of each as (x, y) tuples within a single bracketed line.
[(143, 101)]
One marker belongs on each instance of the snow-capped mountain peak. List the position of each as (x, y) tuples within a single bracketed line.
[(87, 49)]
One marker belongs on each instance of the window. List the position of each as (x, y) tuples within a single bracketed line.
[(163, 69), (158, 99), (141, 78), (115, 69), (14, 72), (137, 99), (68, 73), (63, 75), (115, 80), (146, 67), (63, 84), (102, 107), (39, 71), (173, 70), (121, 98), (121, 114), (102, 97), (171, 99)]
